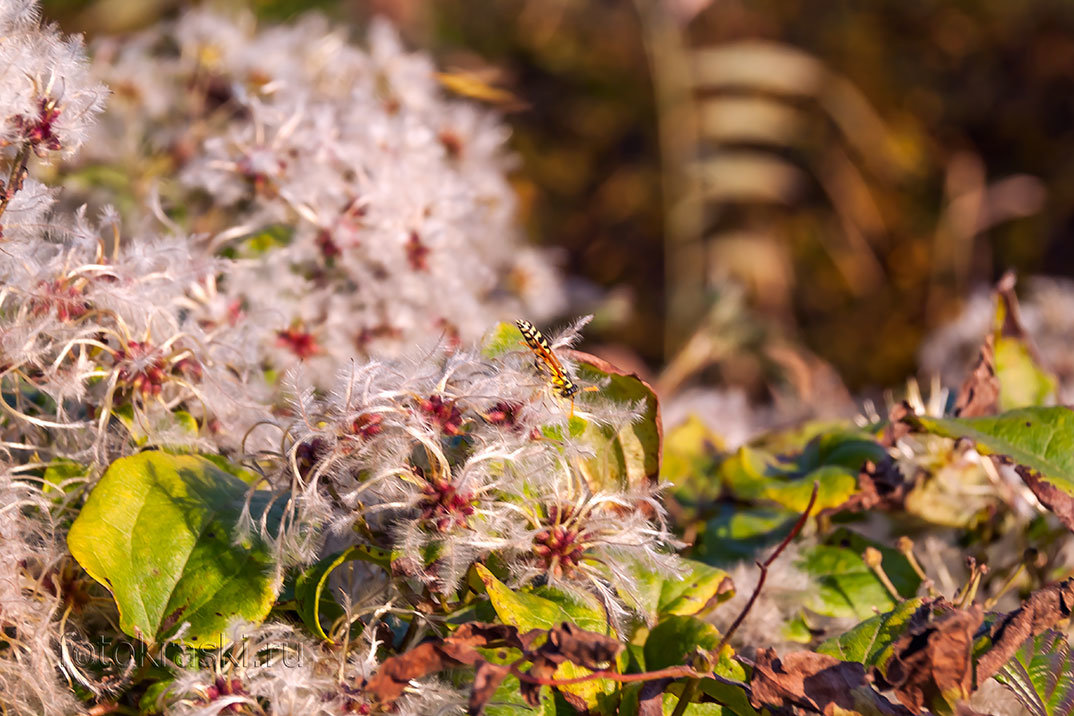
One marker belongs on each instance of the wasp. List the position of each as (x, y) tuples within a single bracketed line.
[(548, 363)]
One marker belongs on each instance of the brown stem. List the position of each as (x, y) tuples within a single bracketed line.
[(766, 564), (14, 180)]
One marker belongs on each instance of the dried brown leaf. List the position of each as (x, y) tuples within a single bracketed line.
[(393, 676), (1055, 499), (979, 394), (567, 642), (459, 649), (815, 683), (487, 679), (880, 486), (651, 697), (897, 426), (934, 660)]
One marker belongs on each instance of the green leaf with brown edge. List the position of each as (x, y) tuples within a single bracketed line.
[(832, 459), (870, 642), (1041, 675), (628, 456), (845, 586), (548, 609), (1041, 439), (159, 530)]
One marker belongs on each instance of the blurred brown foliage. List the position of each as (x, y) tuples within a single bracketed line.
[(857, 207)]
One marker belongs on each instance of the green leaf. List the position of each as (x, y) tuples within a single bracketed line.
[(674, 642), (629, 456), (1041, 439), (739, 534), (690, 448), (676, 638), (699, 588), (158, 531), (503, 338), (259, 242), (59, 472), (671, 702), (733, 697), (870, 641), (845, 585), (508, 701), (309, 585), (544, 611), (1041, 675), (832, 459), (1022, 381), (527, 610)]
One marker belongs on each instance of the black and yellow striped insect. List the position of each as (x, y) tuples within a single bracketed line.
[(548, 363)]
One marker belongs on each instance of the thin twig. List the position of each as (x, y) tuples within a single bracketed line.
[(766, 564), (15, 179)]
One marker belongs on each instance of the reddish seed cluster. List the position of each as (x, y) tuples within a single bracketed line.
[(452, 143), (445, 506), (367, 425), (368, 335), (504, 413), (417, 253), (308, 454), (226, 687), (140, 369), (63, 297), (442, 414), (299, 341), (560, 546), (38, 131), (326, 244)]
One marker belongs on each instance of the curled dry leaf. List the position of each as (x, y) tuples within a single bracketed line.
[(880, 486), (979, 394), (459, 649), (565, 642), (933, 663), (897, 426), (1044, 608), (1061, 503), (807, 682)]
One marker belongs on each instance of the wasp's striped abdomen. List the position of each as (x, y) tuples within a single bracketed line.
[(547, 360)]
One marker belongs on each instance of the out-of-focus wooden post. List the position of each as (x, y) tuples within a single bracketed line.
[(685, 265)]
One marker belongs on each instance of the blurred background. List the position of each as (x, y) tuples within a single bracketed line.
[(749, 192)]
